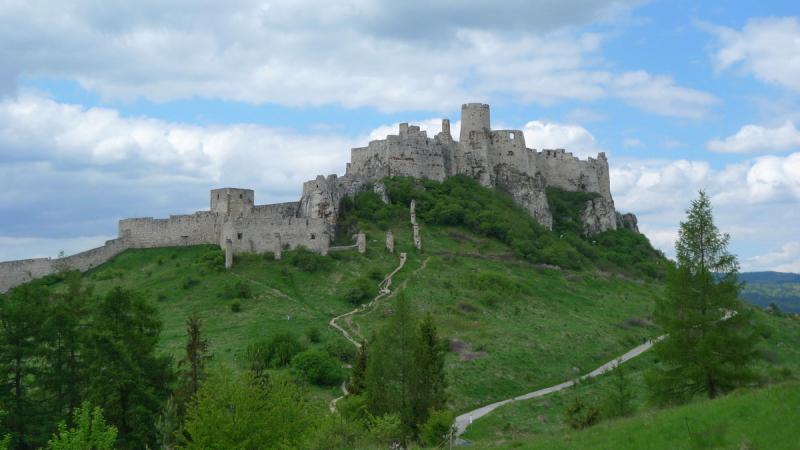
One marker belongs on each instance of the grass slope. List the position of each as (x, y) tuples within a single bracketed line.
[(747, 419), (558, 322)]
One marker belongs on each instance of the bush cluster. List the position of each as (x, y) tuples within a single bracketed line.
[(274, 353), (306, 260), (462, 202)]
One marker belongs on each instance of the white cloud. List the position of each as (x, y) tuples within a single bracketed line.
[(12, 248), (416, 56), (633, 143), (68, 171), (671, 143), (787, 259), (584, 115), (768, 48), (573, 138), (757, 201), (659, 94), (758, 139)]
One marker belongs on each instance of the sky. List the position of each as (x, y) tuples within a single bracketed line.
[(117, 109)]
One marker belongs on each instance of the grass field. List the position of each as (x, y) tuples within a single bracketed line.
[(545, 326), (763, 418), (521, 327)]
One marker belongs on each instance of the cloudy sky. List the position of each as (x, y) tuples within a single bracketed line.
[(114, 109)]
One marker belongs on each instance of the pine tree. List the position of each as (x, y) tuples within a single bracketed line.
[(126, 379), (405, 370), (393, 372), (23, 314), (196, 357), (431, 385), (709, 349), (358, 381)]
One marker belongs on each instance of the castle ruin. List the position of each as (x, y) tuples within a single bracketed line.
[(496, 158)]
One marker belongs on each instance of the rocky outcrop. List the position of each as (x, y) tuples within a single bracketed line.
[(599, 215), (628, 221), (321, 196), (527, 191)]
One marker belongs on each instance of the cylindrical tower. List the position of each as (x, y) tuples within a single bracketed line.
[(474, 117)]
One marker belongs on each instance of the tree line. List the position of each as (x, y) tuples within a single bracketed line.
[(81, 371)]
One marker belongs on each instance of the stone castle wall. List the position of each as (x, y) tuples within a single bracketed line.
[(14, 273), (567, 172), (496, 158), (259, 236)]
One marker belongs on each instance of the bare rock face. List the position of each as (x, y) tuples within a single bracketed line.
[(380, 189), (599, 215), (321, 196), (628, 221), (527, 191)]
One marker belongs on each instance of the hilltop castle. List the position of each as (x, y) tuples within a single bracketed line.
[(496, 158)]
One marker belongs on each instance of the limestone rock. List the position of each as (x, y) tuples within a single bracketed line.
[(527, 191), (599, 215), (628, 221)]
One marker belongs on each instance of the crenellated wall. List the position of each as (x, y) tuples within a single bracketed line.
[(259, 235), (14, 273), (496, 158), (564, 171)]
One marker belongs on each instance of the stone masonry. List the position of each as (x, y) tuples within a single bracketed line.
[(496, 158)]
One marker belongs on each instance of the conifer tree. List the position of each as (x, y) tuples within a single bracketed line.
[(23, 314), (196, 357), (358, 381), (405, 370), (125, 377), (710, 349)]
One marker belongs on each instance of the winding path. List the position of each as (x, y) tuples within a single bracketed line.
[(383, 287), (463, 421)]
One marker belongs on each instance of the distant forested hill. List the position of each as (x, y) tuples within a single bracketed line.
[(769, 277), (765, 288)]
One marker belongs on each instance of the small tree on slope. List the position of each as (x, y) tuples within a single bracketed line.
[(709, 349)]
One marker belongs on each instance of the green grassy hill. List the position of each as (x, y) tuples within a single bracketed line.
[(523, 308), (767, 288), (746, 419)]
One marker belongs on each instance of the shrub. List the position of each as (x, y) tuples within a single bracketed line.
[(160, 260), (491, 299), (173, 255), (582, 415), (275, 353), (236, 305), (239, 289), (375, 273), (269, 256), (467, 307), (188, 281), (161, 296), (306, 260), (318, 367), (439, 426), (359, 290), (313, 333), (213, 259), (341, 349)]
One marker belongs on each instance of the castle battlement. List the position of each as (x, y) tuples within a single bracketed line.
[(496, 158)]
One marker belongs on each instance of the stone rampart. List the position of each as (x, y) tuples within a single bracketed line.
[(259, 235), (199, 228), (277, 210), (496, 158), (14, 273), (567, 172)]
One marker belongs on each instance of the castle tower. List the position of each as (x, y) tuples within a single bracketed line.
[(474, 117), (233, 203)]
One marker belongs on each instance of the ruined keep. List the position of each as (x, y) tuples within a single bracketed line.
[(496, 158)]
